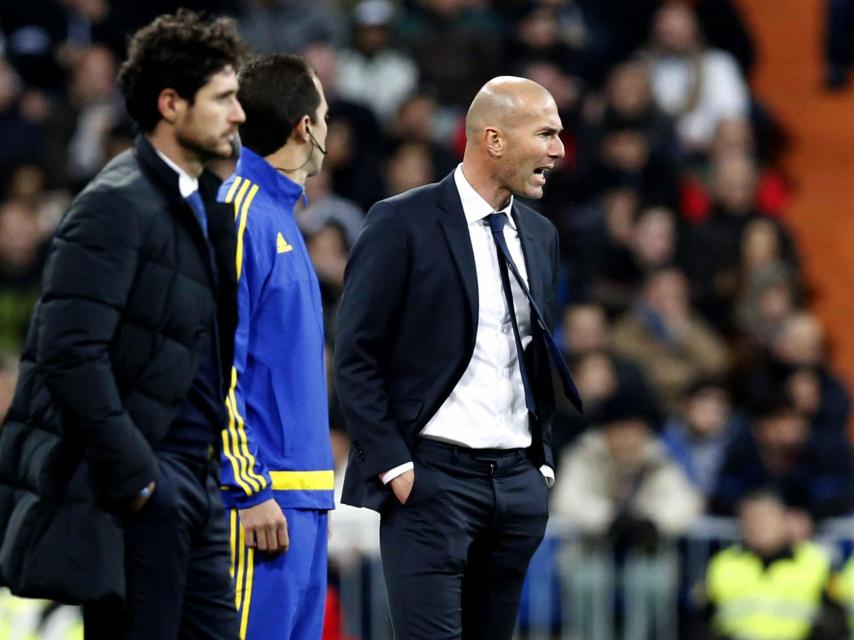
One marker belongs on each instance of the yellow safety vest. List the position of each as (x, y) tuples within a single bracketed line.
[(24, 619), (779, 602), (845, 591)]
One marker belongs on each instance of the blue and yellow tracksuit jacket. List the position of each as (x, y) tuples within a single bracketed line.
[(276, 442)]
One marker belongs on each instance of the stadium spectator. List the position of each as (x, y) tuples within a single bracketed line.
[(273, 26), (371, 71), (714, 247), (22, 250), (697, 435), (812, 471), (355, 142), (797, 362), (667, 339), (696, 85), (768, 587), (454, 44), (626, 495)]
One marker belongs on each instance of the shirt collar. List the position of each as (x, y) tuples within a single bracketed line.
[(187, 184), (475, 207), (270, 179)]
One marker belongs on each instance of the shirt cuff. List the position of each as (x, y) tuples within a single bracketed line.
[(548, 474), (399, 470)]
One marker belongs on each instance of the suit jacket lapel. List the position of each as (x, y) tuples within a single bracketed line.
[(533, 256), (453, 222)]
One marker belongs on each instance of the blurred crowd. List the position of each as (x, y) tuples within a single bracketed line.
[(685, 313)]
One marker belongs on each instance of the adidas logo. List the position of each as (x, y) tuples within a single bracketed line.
[(282, 245)]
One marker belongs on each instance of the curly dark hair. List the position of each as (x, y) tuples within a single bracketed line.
[(276, 91), (180, 51)]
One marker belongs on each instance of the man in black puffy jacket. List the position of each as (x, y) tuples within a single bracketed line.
[(107, 495)]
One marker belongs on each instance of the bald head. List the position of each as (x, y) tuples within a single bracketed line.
[(512, 140), (503, 102)]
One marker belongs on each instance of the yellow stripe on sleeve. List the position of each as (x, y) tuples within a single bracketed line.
[(230, 445), (235, 443), (241, 441), (302, 480)]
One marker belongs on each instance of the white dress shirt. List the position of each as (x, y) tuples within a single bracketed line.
[(187, 184), (486, 410)]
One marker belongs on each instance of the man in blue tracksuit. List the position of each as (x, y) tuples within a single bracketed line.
[(277, 461)]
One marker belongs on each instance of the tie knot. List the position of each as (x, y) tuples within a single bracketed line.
[(496, 222)]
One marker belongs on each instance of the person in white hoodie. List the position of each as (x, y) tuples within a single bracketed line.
[(628, 500)]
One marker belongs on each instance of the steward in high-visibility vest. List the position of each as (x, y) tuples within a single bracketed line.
[(844, 591), (767, 589)]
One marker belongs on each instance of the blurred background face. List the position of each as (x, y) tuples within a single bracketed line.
[(409, 166), (628, 90), (93, 77), (563, 87), (804, 388), (735, 183), (324, 60), (595, 376), (763, 525), (782, 434), (9, 85), (733, 136), (627, 150), (539, 29), (415, 118), (328, 251), (373, 38), (585, 328), (667, 293), (775, 301), (675, 30), (707, 412), (19, 237), (626, 440), (8, 380), (801, 341), (619, 206), (654, 240), (760, 244)]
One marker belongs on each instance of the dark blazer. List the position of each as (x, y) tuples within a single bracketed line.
[(111, 353), (408, 322)]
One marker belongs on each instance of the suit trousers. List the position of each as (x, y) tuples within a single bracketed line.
[(456, 554), (176, 563)]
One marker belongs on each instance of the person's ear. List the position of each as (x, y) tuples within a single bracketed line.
[(302, 129), (493, 141), (170, 105)]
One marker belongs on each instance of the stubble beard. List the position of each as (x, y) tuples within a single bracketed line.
[(204, 152)]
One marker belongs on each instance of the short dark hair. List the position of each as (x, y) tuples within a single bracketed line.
[(180, 51), (276, 91), (761, 493)]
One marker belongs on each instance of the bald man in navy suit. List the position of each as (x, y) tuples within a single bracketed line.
[(443, 368)]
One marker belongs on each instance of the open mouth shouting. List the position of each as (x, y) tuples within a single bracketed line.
[(540, 173)]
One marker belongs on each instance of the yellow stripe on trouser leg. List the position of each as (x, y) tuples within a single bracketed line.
[(232, 541), (247, 601), (238, 581)]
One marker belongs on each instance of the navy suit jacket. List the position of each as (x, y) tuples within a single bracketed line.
[(407, 326)]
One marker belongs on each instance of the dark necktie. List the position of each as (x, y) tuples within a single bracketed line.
[(198, 207), (505, 261)]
